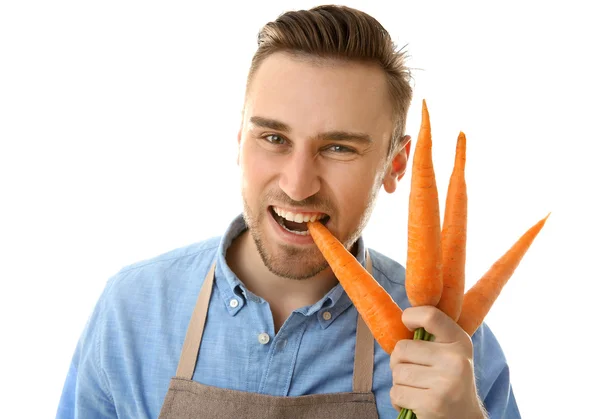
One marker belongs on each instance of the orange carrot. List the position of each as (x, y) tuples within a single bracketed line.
[(479, 299), (454, 236), (423, 280), (377, 308)]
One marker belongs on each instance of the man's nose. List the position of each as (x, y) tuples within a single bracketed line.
[(300, 176)]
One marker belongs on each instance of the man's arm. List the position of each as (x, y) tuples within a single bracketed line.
[(500, 401), (86, 393), (493, 374)]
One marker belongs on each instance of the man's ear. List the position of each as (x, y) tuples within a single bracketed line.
[(239, 141), (398, 166)]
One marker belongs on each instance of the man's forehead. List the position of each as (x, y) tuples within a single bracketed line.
[(296, 90)]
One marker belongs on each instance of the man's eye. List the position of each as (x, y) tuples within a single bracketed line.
[(336, 148), (274, 139)]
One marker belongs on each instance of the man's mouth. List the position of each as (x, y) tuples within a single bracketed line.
[(295, 222)]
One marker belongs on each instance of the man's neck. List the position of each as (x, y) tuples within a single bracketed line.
[(288, 294)]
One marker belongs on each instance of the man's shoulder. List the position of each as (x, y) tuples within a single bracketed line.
[(170, 271), (185, 255)]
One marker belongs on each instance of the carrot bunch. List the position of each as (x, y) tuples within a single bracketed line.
[(436, 254), (443, 261)]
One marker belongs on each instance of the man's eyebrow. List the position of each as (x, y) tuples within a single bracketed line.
[(273, 124), (336, 135), (358, 137)]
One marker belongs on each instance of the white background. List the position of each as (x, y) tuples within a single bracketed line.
[(118, 124)]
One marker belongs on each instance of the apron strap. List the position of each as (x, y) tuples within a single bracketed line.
[(193, 337), (362, 381), (364, 351)]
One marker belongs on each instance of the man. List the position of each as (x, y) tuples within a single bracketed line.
[(254, 324)]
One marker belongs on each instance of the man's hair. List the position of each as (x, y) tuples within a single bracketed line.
[(346, 34)]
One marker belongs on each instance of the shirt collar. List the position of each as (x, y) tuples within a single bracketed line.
[(229, 285), (234, 293)]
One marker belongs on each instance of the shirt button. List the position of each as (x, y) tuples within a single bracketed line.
[(327, 315), (263, 338), (233, 303)]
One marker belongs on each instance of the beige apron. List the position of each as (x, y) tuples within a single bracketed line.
[(189, 399)]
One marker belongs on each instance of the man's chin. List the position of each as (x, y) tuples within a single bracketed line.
[(296, 271), (287, 261), (293, 263)]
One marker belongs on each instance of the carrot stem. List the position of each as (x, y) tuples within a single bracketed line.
[(419, 334), (422, 334)]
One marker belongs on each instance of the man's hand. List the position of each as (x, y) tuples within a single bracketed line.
[(435, 379)]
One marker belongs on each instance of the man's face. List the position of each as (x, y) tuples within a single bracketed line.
[(313, 143)]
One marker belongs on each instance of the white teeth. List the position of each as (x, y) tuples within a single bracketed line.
[(297, 217), (300, 233)]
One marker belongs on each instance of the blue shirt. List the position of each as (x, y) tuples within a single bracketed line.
[(130, 347)]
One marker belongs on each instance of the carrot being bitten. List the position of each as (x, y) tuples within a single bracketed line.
[(380, 312)]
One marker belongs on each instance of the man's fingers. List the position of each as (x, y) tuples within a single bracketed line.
[(413, 352), (434, 321), (412, 375), (405, 396)]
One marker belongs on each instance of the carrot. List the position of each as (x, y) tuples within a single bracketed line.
[(379, 311), (482, 295), (454, 236), (423, 282)]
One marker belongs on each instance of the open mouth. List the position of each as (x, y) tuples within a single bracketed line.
[(296, 222)]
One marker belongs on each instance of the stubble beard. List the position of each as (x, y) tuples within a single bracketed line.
[(282, 260), (289, 261)]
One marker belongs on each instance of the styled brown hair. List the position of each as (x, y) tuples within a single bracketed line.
[(343, 33)]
